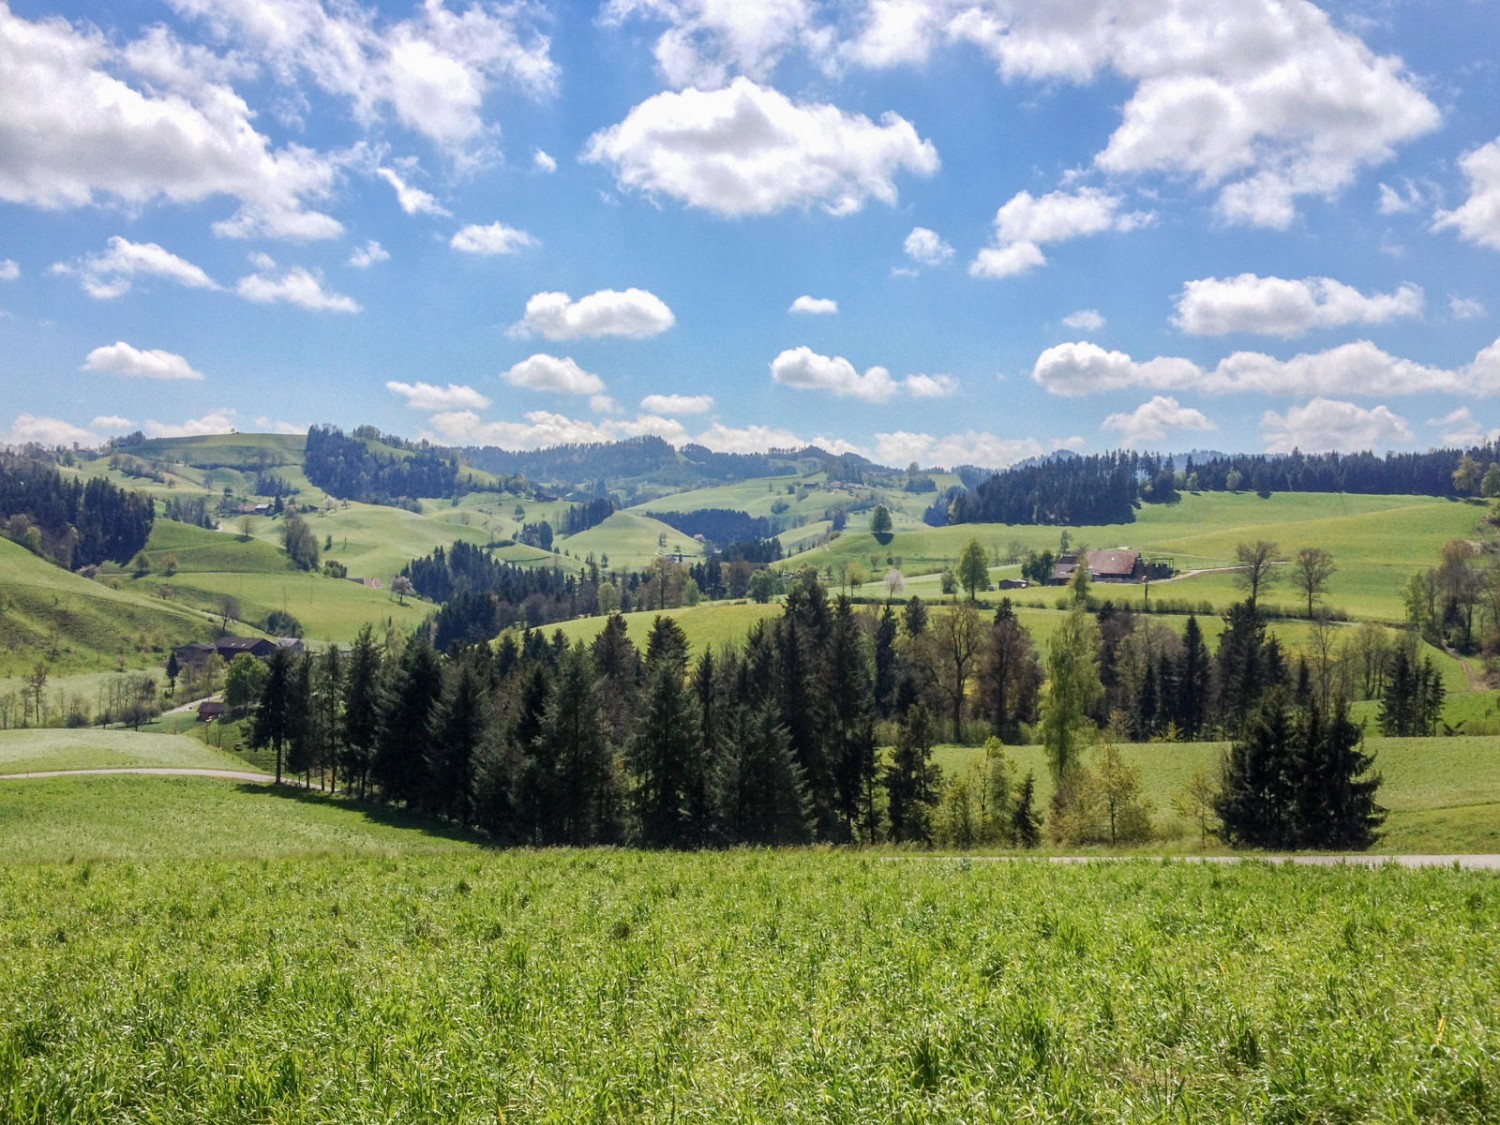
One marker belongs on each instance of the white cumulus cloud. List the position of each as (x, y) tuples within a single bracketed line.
[(673, 405), (1465, 308), (1327, 425), (1278, 306), (814, 306), (431, 72), (220, 421), (930, 386), (1461, 428), (491, 240), (413, 200), (926, 247), (542, 162), (1026, 223), (559, 375), (1084, 320), (1357, 368), (297, 286), (708, 40), (10, 269), (427, 396), (750, 150), (110, 274), (1154, 421), (75, 132), (971, 447), (112, 423), (1264, 101), (632, 313), (1478, 217), (30, 429), (368, 255), (121, 358), (805, 369)]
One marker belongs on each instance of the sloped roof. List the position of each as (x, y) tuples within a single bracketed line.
[(1113, 564)]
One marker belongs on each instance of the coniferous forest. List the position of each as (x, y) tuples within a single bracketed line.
[(778, 740), (74, 523)]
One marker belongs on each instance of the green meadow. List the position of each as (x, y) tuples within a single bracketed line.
[(25, 751), (462, 986), (80, 625), (1377, 542)]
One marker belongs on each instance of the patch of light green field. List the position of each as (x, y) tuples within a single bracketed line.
[(29, 751), (144, 819), (632, 542), (719, 625), (1443, 794), (330, 609)]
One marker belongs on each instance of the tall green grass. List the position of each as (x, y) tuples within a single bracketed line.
[(747, 987)]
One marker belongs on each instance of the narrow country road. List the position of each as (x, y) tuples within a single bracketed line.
[(153, 771)]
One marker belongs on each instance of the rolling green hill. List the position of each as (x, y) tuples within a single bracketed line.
[(81, 625)]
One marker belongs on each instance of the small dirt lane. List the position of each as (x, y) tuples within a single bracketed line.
[(151, 771)]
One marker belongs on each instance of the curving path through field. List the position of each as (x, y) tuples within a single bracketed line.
[(154, 771)]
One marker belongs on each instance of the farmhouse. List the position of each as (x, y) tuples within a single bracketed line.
[(211, 710), (1119, 565), (1115, 566), (227, 648)]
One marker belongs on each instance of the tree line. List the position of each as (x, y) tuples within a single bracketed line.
[(348, 468), (778, 740), (1105, 488), (68, 521)]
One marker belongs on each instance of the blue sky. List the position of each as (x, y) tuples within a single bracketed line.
[(945, 231)]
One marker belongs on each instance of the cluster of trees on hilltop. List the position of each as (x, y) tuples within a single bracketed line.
[(1105, 488), (589, 467), (1100, 488), (719, 525), (346, 467), (591, 513), (478, 595), (71, 522)]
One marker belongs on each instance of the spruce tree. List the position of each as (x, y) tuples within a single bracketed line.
[(408, 703), (361, 725), (761, 797), (458, 726), (278, 715), (1027, 821), (586, 785), (911, 780), (1335, 791)]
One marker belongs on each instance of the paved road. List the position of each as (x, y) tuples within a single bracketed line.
[(154, 771)]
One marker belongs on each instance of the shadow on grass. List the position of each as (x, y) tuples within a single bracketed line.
[(387, 815)]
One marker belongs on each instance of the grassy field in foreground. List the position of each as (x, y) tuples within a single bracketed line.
[(744, 987)]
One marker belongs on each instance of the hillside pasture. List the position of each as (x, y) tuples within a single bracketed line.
[(1377, 542), (632, 541), (80, 625)]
